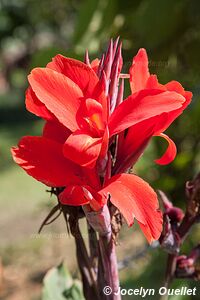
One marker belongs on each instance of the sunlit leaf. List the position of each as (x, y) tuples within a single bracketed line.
[(59, 285)]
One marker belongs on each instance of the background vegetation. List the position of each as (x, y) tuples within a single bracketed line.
[(31, 33)]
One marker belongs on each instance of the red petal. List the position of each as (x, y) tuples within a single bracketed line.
[(105, 143), (134, 144), (77, 71), (81, 195), (148, 231), (92, 107), (152, 83), (90, 116), (136, 199), (139, 72), (73, 195), (170, 117), (82, 149), (141, 106), (169, 154), (42, 159), (56, 131), (139, 135), (92, 178), (95, 64), (35, 106), (175, 86), (59, 94), (83, 75)]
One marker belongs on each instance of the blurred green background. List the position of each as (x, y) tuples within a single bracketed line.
[(31, 33)]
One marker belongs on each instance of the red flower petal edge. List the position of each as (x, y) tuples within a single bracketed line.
[(136, 199)]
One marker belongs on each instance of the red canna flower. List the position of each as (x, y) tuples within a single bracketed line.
[(84, 113), (70, 92), (137, 137)]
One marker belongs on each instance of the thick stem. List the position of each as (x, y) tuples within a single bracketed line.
[(109, 260), (89, 278), (87, 272), (93, 246), (101, 222)]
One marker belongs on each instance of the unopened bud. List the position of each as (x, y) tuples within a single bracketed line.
[(169, 240), (185, 266)]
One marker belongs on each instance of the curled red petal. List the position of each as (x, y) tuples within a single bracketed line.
[(169, 154), (82, 149), (42, 159), (59, 94), (139, 72), (136, 199), (170, 117)]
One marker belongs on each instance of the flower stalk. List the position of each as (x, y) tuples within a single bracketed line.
[(90, 288), (100, 221)]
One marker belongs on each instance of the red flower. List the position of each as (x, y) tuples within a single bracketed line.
[(82, 118), (70, 92), (137, 137)]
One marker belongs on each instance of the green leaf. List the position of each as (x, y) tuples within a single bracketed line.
[(59, 285)]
